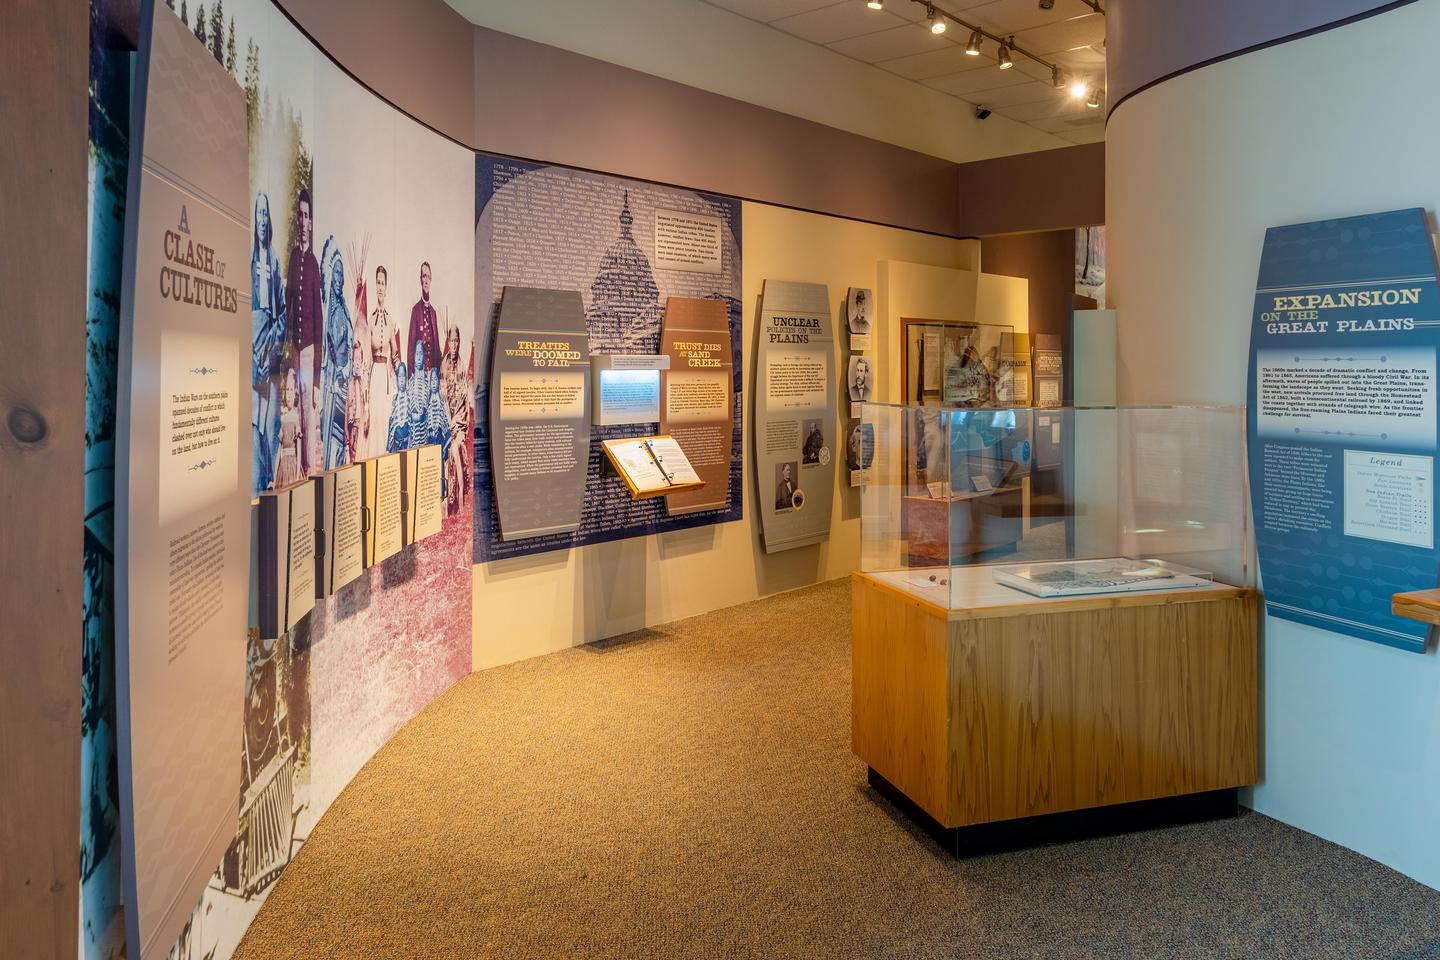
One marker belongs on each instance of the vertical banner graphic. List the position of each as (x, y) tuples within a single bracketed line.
[(182, 484), (794, 415), (540, 411), (696, 397), (1342, 422), (625, 249)]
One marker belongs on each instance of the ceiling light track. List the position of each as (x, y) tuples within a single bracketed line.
[(936, 17)]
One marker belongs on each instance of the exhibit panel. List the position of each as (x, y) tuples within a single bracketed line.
[(794, 415), (539, 411), (696, 399), (1342, 424), (621, 249), (183, 526)]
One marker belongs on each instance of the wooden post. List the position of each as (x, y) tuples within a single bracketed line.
[(44, 70)]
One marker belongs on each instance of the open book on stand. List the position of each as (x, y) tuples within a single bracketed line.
[(652, 466)]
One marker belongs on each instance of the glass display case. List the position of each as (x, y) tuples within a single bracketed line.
[(969, 507)]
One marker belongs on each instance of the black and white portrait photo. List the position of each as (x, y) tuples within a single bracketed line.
[(860, 451), (786, 485), (859, 303), (860, 379), (814, 442)]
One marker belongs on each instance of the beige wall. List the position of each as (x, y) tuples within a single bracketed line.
[(534, 605)]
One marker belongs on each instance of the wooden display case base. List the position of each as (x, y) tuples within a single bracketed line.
[(1006, 835), (998, 712)]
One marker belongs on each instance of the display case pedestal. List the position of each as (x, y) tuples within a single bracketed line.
[(1015, 708)]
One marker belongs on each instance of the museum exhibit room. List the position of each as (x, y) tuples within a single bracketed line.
[(674, 479)]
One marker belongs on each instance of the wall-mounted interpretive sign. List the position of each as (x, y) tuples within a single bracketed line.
[(698, 397), (182, 479), (540, 411), (1342, 422), (795, 444)]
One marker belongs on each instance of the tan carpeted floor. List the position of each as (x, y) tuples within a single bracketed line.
[(689, 792)]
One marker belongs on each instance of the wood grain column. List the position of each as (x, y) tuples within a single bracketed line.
[(44, 57)]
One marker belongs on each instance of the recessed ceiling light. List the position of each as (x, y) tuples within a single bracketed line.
[(1079, 88), (875, 4)]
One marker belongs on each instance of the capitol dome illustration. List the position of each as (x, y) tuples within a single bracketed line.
[(624, 312)]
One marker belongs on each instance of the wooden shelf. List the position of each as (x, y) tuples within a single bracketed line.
[(1422, 605)]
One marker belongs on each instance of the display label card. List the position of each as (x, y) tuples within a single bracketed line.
[(183, 513), (298, 570), (385, 529), (698, 397), (1388, 497), (540, 412), (795, 444), (340, 553), (423, 503), (627, 396), (688, 241), (1342, 422)]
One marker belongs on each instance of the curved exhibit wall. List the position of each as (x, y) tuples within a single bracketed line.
[(1198, 168), (384, 192)]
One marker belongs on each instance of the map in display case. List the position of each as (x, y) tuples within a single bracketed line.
[(1144, 498)]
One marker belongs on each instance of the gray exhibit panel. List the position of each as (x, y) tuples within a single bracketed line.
[(182, 480), (795, 444), (540, 411)]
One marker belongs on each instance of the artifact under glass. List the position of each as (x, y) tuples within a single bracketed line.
[(968, 507)]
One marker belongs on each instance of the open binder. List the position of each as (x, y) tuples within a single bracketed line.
[(652, 466)]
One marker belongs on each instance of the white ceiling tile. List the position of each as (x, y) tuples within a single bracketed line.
[(767, 10), (1091, 133), (1030, 68), (901, 41), (967, 83), (915, 9), (1066, 35), (1059, 104), (995, 97), (1005, 17), (829, 24), (1087, 59), (938, 63), (1068, 123)]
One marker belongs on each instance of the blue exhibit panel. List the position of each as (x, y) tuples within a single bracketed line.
[(1341, 422)]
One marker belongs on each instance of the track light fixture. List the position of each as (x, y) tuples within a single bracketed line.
[(1060, 78), (875, 4)]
